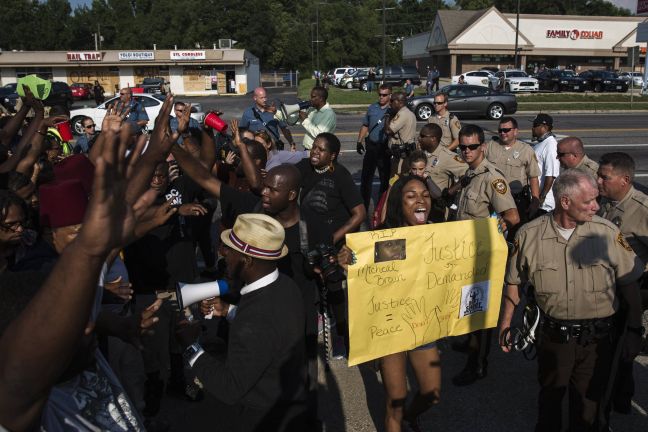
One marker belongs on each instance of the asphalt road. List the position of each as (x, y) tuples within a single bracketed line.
[(601, 133), (351, 399)]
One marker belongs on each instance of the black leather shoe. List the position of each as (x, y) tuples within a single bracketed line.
[(468, 376)]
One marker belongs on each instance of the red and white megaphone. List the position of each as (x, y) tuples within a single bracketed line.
[(188, 294)]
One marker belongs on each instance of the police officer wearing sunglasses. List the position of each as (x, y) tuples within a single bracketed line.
[(485, 193), (519, 163)]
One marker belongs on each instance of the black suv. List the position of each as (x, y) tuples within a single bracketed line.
[(395, 75), (602, 80), (558, 80), (59, 95)]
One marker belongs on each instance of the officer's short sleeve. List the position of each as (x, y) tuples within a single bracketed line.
[(397, 123), (532, 168), (455, 126), (500, 194), (515, 270), (142, 115), (629, 267), (365, 120), (245, 119)]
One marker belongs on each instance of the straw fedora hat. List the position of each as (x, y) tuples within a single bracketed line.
[(256, 235)]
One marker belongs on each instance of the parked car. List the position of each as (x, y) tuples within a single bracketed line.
[(347, 82), (558, 80), (492, 69), (634, 79), (338, 73), (152, 85), (60, 94), (152, 103), (516, 81), (602, 80), (395, 75), (465, 100), (81, 91), (5, 91), (481, 78)]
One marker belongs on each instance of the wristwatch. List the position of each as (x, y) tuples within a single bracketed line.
[(191, 353), (637, 330)]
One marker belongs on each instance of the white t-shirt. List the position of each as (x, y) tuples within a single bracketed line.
[(546, 152)]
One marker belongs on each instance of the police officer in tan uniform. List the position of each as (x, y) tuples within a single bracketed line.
[(519, 163), (401, 126), (443, 167), (579, 264), (486, 193), (448, 122), (627, 208), (571, 154)]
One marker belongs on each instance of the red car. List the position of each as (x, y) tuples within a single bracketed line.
[(81, 90)]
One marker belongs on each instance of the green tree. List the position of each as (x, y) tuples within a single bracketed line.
[(17, 24)]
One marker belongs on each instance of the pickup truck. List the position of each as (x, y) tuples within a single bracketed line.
[(152, 85)]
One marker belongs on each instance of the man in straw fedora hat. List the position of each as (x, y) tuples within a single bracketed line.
[(263, 373)]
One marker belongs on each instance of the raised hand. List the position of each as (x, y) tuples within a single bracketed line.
[(114, 117), (30, 100), (183, 119), (234, 126), (110, 221)]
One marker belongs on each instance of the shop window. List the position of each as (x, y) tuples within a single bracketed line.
[(44, 73)]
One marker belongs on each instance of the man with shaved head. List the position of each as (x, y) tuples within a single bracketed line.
[(571, 154), (260, 117)]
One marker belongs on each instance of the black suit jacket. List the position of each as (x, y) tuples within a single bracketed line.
[(264, 370)]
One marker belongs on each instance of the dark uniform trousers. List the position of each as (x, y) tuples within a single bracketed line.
[(578, 367), (376, 156)]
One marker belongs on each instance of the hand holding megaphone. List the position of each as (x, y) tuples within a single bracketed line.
[(214, 306), (291, 114), (188, 294)]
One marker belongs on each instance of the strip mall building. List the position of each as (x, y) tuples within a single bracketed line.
[(460, 41), (190, 72)]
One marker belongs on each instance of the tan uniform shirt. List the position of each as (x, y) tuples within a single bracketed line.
[(487, 192), (404, 127), (631, 216), (444, 167), (518, 163), (449, 126), (576, 278), (589, 166)]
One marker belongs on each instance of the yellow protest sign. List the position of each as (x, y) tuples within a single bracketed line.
[(414, 285)]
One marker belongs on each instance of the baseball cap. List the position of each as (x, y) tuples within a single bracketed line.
[(543, 119)]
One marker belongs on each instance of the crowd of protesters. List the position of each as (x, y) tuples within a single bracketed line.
[(103, 239)]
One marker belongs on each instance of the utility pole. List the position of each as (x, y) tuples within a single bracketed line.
[(517, 32), (317, 34), (96, 43), (384, 37)]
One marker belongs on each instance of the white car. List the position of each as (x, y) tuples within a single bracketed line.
[(152, 103), (517, 81), (480, 78), (338, 73), (632, 78)]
